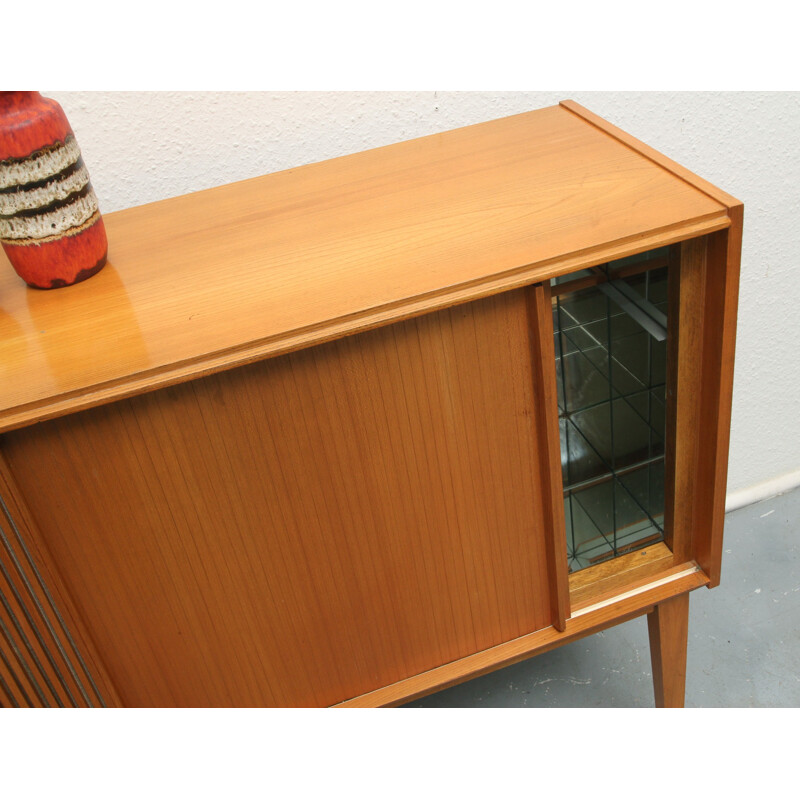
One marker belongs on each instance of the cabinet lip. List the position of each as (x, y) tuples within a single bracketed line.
[(51, 406)]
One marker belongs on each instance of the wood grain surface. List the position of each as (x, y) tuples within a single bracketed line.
[(656, 157), (225, 276), (308, 529)]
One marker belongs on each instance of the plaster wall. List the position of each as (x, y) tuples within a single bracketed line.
[(145, 146)]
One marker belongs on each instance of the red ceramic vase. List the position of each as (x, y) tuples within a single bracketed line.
[(50, 225)]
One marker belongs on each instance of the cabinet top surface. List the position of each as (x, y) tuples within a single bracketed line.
[(235, 273)]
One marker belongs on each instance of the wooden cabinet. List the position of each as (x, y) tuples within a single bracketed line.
[(302, 441)]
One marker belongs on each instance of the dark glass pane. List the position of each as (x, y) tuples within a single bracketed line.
[(611, 373)]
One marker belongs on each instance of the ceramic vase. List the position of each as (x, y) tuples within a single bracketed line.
[(50, 225)]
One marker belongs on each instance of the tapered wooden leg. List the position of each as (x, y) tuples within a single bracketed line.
[(668, 624)]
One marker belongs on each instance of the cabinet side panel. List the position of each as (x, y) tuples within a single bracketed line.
[(46, 658), (721, 307), (704, 298), (307, 529)]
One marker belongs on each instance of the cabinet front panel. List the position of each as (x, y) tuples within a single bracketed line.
[(310, 528)]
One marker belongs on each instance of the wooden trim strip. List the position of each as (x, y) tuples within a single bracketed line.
[(587, 281), (592, 620), (598, 276), (645, 265), (170, 374), (649, 153)]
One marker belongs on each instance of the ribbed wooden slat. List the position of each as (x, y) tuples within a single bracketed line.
[(40, 666)]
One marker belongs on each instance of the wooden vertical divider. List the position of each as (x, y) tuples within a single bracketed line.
[(540, 322), (687, 283)]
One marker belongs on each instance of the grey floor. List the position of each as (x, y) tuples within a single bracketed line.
[(744, 637)]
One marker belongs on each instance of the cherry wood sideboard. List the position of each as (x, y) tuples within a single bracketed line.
[(305, 440)]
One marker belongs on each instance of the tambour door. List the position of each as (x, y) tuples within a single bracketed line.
[(309, 528)]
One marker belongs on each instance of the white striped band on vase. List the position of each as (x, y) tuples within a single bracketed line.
[(46, 195)]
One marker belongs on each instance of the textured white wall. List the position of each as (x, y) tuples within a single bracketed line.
[(144, 146)]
